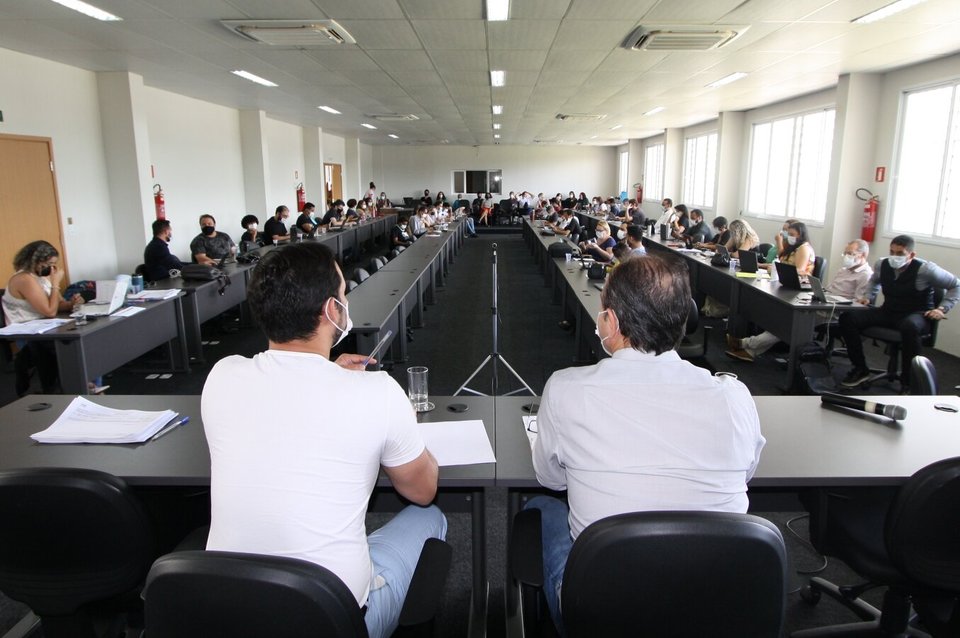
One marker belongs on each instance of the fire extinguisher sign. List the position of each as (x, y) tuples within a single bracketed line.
[(880, 174)]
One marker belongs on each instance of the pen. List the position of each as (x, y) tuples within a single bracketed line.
[(386, 337), (171, 427)]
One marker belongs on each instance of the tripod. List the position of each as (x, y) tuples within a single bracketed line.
[(494, 357)]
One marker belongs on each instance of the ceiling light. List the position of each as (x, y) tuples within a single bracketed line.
[(88, 10), (593, 137), (365, 125), (497, 109), (497, 78), (614, 128), (329, 110), (496, 136), (496, 126), (253, 78), (498, 10), (655, 111), (393, 136), (733, 77), (887, 11)]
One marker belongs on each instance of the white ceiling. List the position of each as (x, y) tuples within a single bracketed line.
[(432, 58)]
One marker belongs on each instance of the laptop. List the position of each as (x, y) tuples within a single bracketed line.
[(748, 261), (818, 293), (788, 276), (110, 296)]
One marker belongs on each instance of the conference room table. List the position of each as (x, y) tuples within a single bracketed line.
[(85, 352), (182, 459)]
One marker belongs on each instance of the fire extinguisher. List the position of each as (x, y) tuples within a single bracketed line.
[(871, 205), (301, 197), (639, 188), (159, 202)]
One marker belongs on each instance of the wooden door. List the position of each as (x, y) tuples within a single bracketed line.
[(29, 205), (333, 182)]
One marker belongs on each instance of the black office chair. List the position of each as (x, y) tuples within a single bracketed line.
[(905, 540), (75, 546), (678, 574), (924, 376), (6, 351), (376, 264), (696, 337), (206, 594), (819, 267), (393, 254), (141, 270), (351, 285), (360, 275), (763, 250)]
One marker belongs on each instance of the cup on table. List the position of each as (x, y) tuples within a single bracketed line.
[(569, 257), (78, 314), (136, 283), (417, 388)]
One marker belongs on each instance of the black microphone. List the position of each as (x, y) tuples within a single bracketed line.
[(895, 412)]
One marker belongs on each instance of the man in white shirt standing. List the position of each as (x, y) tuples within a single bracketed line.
[(614, 457), (293, 477)]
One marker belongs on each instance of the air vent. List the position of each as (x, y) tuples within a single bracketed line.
[(291, 33), (393, 117), (682, 38), (580, 117)]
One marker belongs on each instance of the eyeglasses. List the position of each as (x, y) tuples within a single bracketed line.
[(532, 425)]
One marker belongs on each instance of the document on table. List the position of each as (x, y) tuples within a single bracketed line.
[(458, 442), (84, 421), (35, 327), (155, 295), (129, 311)]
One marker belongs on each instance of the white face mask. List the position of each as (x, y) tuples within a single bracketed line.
[(621, 234), (603, 340), (849, 261), (897, 261), (252, 226), (791, 240), (345, 330)]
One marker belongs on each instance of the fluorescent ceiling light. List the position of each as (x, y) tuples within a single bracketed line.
[(887, 11), (88, 10), (329, 110), (497, 78), (733, 77), (365, 125), (614, 128), (253, 78), (497, 109), (498, 10), (496, 136), (393, 136), (655, 111), (593, 137), (496, 126)]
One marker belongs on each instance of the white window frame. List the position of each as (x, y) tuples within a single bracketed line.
[(793, 176), (623, 173), (700, 170), (948, 155), (654, 170)]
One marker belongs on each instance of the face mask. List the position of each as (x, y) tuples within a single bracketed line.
[(45, 271), (603, 340), (403, 227), (791, 240), (621, 234), (345, 330), (897, 261), (169, 237), (252, 226), (207, 230), (784, 234), (849, 261)]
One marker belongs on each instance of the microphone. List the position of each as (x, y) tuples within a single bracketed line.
[(895, 412)]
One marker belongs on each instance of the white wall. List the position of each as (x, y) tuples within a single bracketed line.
[(367, 173), (195, 152), (410, 169), (285, 155), (48, 99), (334, 150)]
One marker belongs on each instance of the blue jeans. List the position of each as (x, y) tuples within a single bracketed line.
[(469, 222), (555, 534), (395, 550)]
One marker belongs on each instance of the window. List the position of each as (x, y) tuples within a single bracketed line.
[(700, 171), (926, 185), (477, 182), (790, 166), (623, 178), (653, 172)]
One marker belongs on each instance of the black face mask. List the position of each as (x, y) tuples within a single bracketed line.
[(45, 271), (207, 230)]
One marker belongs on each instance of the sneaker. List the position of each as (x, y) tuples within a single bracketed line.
[(740, 353), (855, 377)]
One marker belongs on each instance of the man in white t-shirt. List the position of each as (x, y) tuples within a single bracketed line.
[(658, 451), (293, 477)]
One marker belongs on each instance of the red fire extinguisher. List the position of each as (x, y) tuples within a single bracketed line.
[(871, 205), (639, 188), (301, 197), (158, 202)]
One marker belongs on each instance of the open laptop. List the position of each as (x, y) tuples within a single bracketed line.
[(110, 296), (787, 273), (748, 261), (816, 286)]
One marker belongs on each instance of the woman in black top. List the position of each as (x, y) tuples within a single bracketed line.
[(251, 238)]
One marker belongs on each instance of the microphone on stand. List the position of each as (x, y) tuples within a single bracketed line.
[(895, 412)]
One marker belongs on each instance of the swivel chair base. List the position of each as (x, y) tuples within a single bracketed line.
[(893, 622)]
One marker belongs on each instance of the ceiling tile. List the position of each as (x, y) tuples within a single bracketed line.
[(443, 9), (382, 34), (517, 60), (359, 9), (451, 34), (538, 9), (417, 78), (347, 59), (592, 35), (522, 34), (691, 11), (453, 61), (286, 10), (403, 60), (612, 10), (560, 60)]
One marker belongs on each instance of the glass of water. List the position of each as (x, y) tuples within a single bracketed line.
[(417, 388)]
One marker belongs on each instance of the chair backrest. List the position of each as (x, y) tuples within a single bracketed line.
[(819, 266), (206, 593), (924, 376), (141, 270), (351, 285), (360, 275), (374, 265), (393, 253), (70, 537), (693, 318), (764, 249), (678, 574)]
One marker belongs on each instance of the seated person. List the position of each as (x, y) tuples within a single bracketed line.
[(251, 239), (682, 221), (570, 201), (797, 250), (908, 284), (486, 209), (33, 292), (400, 234), (290, 478), (306, 222), (426, 199), (851, 281), (721, 235), (633, 236), (742, 237), (567, 225), (383, 201), (351, 216), (612, 459), (780, 242), (698, 231), (210, 247), (157, 260), (669, 215), (583, 202), (460, 202), (601, 248), (275, 230), (417, 222), (334, 217)]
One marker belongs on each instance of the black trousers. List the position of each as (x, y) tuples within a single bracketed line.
[(39, 355), (911, 326)]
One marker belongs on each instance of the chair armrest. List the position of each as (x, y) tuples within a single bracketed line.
[(525, 555), (428, 583)]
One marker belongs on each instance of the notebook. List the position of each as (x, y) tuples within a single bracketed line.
[(110, 296), (788, 276), (820, 295)]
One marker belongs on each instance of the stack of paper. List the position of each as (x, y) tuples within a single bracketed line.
[(155, 295), (457, 442), (35, 327), (86, 422)]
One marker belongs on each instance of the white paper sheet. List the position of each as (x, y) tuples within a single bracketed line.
[(84, 421), (35, 327), (155, 295), (458, 442), (129, 311)]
